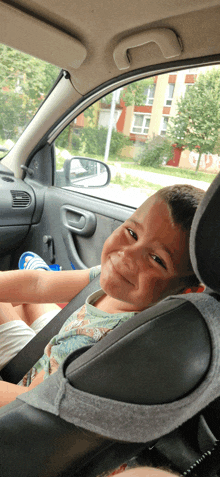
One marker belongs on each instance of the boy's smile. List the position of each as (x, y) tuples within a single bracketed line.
[(144, 259)]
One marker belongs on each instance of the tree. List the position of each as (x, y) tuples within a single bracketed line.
[(132, 94), (24, 83), (197, 123), (155, 151), (135, 93)]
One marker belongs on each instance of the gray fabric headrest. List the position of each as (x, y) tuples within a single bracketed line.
[(205, 238)]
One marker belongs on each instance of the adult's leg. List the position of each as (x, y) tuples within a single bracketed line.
[(29, 313), (8, 313), (14, 333)]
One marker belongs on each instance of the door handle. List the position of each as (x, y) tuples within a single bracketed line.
[(77, 224), (78, 221)]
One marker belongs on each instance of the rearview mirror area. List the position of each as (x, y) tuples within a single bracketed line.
[(83, 172)]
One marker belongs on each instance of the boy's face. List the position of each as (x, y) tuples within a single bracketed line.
[(144, 259)]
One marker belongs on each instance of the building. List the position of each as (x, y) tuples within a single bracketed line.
[(140, 123)]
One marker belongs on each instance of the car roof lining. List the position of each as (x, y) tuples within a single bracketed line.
[(81, 36)]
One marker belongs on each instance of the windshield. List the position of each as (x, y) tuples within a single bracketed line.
[(24, 83)]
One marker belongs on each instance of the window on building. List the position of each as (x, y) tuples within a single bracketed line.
[(141, 123), (104, 116), (186, 87), (163, 125), (150, 91), (169, 94)]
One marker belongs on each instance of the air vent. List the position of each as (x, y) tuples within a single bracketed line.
[(7, 179), (20, 199)]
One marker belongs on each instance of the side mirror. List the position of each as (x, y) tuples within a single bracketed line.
[(83, 172)]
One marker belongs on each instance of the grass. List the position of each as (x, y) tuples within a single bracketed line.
[(174, 171), (130, 181), (134, 182)]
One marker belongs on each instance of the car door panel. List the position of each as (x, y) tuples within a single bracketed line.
[(77, 226), (17, 205)]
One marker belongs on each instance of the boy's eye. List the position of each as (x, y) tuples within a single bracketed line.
[(132, 233), (158, 260)]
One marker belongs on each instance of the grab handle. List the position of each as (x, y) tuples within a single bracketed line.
[(165, 38)]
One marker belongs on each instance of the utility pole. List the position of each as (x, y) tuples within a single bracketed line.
[(115, 98)]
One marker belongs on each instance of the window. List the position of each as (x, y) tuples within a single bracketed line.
[(169, 94), (163, 125), (131, 132), (150, 91), (141, 123), (104, 116), (24, 83)]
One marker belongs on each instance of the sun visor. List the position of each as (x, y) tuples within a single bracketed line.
[(38, 38), (205, 238)]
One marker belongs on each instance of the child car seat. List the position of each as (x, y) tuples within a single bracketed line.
[(142, 391)]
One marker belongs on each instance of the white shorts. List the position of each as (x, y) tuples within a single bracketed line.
[(14, 335)]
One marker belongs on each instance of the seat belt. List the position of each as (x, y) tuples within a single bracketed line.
[(14, 371)]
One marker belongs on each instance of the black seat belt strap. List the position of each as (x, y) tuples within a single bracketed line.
[(14, 371)]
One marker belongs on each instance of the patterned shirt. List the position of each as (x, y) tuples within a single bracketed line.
[(84, 327)]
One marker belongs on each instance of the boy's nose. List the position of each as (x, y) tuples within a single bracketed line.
[(129, 257)]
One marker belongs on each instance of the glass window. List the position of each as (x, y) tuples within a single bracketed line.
[(150, 95), (140, 124), (24, 83), (163, 126), (141, 148), (169, 94), (104, 118)]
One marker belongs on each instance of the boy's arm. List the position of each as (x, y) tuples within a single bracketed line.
[(40, 286), (9, 391)]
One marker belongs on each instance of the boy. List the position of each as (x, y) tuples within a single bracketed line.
[(145, 260)]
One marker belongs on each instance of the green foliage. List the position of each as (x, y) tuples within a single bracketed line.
[(118, 142), (129, 181), (216, 149), (135, 93), (24, 83), (90, 114), (155, 152), (76, 142), (197, 123), (174, 171), (93, 141), (68, 139), (107, 99), (62, 139)]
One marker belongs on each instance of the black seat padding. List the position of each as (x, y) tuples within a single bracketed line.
[(159, 355)]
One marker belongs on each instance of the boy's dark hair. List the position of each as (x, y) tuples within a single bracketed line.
[(183, 200)]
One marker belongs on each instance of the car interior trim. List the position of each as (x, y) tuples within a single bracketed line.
[(73, 51), (166, 39)]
